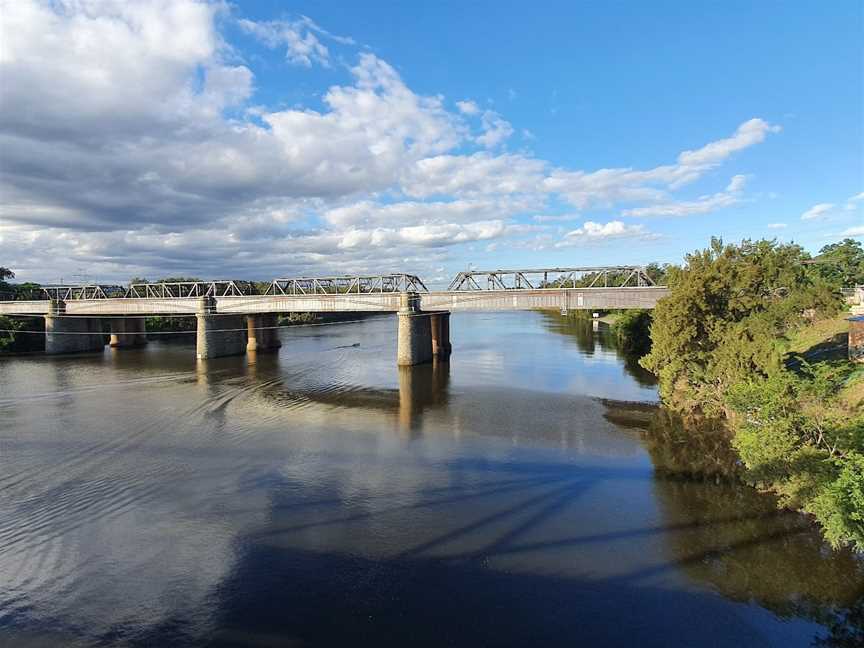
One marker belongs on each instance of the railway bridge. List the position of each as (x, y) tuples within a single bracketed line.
[(234, 317)]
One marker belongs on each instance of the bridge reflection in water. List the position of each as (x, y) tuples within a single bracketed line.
[(532, 495)]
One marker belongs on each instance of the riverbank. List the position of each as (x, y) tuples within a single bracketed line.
[(754, 334)]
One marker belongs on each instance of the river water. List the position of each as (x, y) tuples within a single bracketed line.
[(528, 492)]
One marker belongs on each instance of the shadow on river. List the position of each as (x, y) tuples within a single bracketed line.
[(528, 492), (719, 531)]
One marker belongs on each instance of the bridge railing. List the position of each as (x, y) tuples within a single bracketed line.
[(345, 285), (550, 278)]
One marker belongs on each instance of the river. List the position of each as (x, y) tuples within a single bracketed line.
[(528, 492)]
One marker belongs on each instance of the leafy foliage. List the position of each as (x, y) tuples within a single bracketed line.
[(797, 437), (726, 319), (841, 264), (632, 329), (719, 347)]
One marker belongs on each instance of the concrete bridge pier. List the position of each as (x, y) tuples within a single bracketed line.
[(128, 332), (218, 335), (71, 334), (414, 344), (262, 332), (440, 329)]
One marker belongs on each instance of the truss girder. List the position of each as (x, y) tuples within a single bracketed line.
[(346, 285), (540, 278)]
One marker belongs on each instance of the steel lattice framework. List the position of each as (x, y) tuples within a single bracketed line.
[(365, 284), (69, 292), (186, 289), (539, 278), (472, 280)]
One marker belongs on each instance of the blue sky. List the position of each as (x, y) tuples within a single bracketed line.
[(278, 138)]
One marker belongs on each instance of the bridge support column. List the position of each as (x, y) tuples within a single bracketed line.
[(414, 345), (71, 334), (262, 332), (128, 332), (440, 329), (218, 335)]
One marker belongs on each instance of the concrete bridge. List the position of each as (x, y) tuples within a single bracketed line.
[(235, 317)]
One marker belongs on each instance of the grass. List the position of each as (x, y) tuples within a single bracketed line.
[(827, 340), (822, 340)]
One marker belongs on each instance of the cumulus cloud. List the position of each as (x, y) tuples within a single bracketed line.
[(817, 212), (857, 230), (370, 213), (468, 107), (132, 144), (594, 232)]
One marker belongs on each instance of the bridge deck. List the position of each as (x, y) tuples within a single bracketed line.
[(468, 300)]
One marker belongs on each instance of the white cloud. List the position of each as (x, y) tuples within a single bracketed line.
[(468, 107), (736, 184), (496, 130), (607, 187), (369, 213), (431, 235), (817, 212), (591, 231), (472, 175), (702, 205), (777, 225), (857, 230), (746, 135), (127, 152), (857, 197), (302, 45), (556, 218)]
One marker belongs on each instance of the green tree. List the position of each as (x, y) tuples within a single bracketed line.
[(799, 438), (841, 263), (725, 319), (6, 273)]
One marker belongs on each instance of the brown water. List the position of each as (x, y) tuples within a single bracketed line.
[(526, 493)]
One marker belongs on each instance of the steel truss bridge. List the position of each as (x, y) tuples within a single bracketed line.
[(606, 276), (359, 285), (587, 288)]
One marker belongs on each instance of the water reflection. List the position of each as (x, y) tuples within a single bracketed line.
[(594, 336), (320, 495)]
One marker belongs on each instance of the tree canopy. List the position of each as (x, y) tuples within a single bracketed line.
[(841, 263), (725, 319)]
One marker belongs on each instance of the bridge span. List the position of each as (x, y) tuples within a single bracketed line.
[(235, 317)]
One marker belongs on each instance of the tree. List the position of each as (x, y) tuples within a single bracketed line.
[(6, 273), (725, 319), (841, 263)]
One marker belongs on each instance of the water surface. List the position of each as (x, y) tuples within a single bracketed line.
[(528, 492)]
